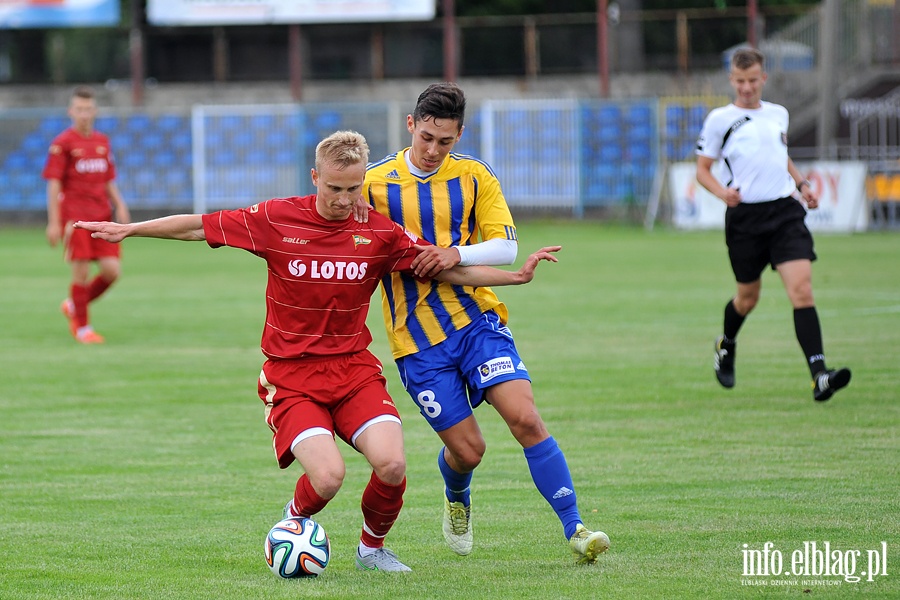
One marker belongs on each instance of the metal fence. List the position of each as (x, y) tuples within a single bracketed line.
[(561, 156)]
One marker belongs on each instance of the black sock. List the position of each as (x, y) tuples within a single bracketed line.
[(809, 334), (733, 321)]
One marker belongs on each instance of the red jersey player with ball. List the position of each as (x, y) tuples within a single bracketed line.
[(319, 380)]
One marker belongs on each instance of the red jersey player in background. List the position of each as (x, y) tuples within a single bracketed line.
[(319, 379), (80, 175)]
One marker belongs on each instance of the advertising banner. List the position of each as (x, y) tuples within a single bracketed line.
[(41, 14), (841, 187), (251, 12)]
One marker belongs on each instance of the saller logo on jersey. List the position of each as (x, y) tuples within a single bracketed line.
[(338, 269), (496, 367)]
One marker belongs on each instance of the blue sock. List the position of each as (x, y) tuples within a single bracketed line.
[(551, 476), (456, 485)]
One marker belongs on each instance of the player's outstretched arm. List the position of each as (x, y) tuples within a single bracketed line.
[(480, 276), (174, 227)]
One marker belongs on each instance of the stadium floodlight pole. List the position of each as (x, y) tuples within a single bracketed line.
[(751, 23), (450, 50), (602, 48), (136, 53), (295, 61)]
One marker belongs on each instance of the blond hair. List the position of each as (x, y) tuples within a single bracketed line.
[(342, 149)]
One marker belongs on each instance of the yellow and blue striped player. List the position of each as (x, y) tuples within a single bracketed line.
[(451, 343)]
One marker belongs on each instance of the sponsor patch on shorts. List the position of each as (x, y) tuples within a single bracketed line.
[(496, 367)]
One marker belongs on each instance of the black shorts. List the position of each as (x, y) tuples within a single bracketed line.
[(764, 233)]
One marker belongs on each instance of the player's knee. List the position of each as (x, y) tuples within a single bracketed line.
[(466, 457), (745, 303), (391, 471), (110, 275), (530, 431), (326, 482)]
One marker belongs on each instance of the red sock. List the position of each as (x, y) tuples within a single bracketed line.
[(80, 298), (381, 504), (306, 501), (97, 287)]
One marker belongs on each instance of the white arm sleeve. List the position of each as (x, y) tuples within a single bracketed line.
[(492, 252)]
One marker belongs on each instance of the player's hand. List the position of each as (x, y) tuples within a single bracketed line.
[(54, 233), (434, 259), (526, 273), (811, 197), (732, 196), (104, 230), (360, 210)]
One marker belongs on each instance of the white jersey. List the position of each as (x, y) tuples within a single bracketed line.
[(752, 142)]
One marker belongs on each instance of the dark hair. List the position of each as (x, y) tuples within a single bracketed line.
[(444, 100), (83, 91), (745, 58)]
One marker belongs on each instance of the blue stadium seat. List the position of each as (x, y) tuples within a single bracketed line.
[(286, 157), (52, 126), (180, 140), (610, 132), (674, 129), (35, 142), (226, 123), (675, 113), (120, 141), (256, 156), (138, 123), (640, 151), (242, 140), (222, 157), (640, 132), (164, 158), (151, 140), (609, 114), (16, 161), (611, 152), (640, 113), (131, 158), (696, 115), (172, 123), (106, 124), (278, 138), (327, 122), (263, 122)]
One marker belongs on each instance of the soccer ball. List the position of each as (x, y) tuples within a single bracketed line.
[(297, 547)]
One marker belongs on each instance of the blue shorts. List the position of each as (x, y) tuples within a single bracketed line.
[(448, 380)]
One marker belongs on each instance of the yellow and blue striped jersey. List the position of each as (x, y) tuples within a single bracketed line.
[(458, 205)]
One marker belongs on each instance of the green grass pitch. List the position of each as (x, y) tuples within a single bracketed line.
[(142, 468)]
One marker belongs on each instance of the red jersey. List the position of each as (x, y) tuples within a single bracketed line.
[(84, 165), (322, 274)]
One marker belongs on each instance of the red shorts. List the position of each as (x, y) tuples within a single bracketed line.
[(338, 394), (79, 245)]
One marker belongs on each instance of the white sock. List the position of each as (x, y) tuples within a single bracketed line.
[(365, 550)]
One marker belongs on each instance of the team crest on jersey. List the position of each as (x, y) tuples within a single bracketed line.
[(496, 367), (101, 149), (359, 240), (254, 208)]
